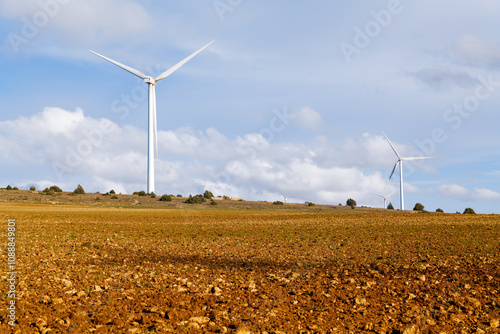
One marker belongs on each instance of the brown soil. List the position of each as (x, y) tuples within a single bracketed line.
[(90, 269)]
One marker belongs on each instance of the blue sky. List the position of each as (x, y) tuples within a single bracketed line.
[(291, 98)]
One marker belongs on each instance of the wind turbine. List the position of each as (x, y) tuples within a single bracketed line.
[(152, 127), (283, 196), (385, 198), (400, 163)]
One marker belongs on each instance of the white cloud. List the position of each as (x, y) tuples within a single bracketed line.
[(308, 118), (462, 193), (101, 155), (478, 51), (485, 195), (453, 191), (75, 23)]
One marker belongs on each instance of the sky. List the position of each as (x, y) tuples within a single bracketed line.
[(292, 99)]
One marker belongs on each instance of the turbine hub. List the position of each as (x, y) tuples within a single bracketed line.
[(150, 80)]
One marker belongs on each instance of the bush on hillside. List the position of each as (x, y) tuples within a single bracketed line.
[(352, 203), (8, 187), (469, 211), (439, 210), (56, 189), (208, 194), (197, 199), (278, 203), (166, 198), (418, 207), (79, 190), (32, 188), (390, 207)]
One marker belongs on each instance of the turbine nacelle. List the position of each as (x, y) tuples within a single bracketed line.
[(149, 80)]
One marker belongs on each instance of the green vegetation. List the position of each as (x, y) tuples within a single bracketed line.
[(469, 211), (8, 187), (213, 202), (278, 203), (166, 198), (197, 199), (352, 203), (56, 189), (32, 188), (79, 190), (418, 207), (439, 210), (208, 194), (140, 193), (390, 207)]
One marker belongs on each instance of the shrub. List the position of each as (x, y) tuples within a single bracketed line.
[(179, 195), (47, 191), (390, 207), (197, 199), (208, 194), (213, 202), (469, 211), (112, 191), (114, 197), (15, 188), (166, 198), (79, 190), (226, 197), (97, 198), (418, 207), (8, 187), (278, 203), (56, 189), (439, 210), (352, 203), (153, 195), (32, 188), (140, 193), (311, 204)]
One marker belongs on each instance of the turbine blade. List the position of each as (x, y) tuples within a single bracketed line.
[(417, 158), (392, 173), (391, 145), (125, 67), (179, 64), (155, 127), (393, 170)]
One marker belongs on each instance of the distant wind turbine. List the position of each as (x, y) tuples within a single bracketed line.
[(400, 163), (152, 127), (385, 198), (283, 196)]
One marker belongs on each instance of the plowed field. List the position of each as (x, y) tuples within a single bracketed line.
[(111, 270)]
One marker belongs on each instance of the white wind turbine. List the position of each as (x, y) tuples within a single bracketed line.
[(283, 196), (385, 198), (400, 163), (152, 128)]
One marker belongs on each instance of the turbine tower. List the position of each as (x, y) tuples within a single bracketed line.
[(400, 163), (385, 198), (152, 127)]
